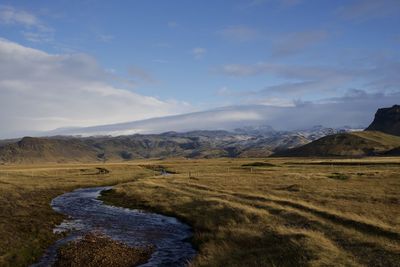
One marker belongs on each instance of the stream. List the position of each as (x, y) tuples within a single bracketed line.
[(133, 227)]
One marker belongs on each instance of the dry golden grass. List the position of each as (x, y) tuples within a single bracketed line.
[(295, 212), (290, 214)]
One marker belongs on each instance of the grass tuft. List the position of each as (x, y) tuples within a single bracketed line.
[(339, 176)]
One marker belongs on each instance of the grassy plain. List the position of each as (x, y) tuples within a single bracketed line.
[(26, 217), (244, 212)]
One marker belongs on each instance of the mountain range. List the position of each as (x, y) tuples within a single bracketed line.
[(250, 141), (382, 137)]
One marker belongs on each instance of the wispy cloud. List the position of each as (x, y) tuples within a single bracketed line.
[(172, 24), (157, 60), (224, 91), (362, 10), (272, 101), (10, 15), (282, 70), (35, 29), (289, 3), (254, 3), (162, 44), (198, 52), (105, 38), (240, 70), (37, 37), (239, 33), (297, 42), (141, 75), (280, 3), (298, 81)]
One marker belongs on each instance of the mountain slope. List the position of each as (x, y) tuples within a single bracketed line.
[(36, 150), (365, 143)]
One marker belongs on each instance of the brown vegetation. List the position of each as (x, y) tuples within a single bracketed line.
[(293, 213), (98, 250)]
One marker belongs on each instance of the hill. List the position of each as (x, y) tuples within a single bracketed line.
[(355, 144), (387, 120)]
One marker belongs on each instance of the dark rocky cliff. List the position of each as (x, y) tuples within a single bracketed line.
[(387, 120)]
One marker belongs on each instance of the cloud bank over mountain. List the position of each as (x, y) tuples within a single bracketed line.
[(345, 111)]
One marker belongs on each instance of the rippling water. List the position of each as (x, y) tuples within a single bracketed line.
[(133, 227)]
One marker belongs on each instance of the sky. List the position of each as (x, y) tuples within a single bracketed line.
[(84, 63)]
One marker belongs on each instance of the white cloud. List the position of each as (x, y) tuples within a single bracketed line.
[(198, 52), (41, 91), (239, 33)]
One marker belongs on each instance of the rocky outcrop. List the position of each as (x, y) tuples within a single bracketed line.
[(387, 120)]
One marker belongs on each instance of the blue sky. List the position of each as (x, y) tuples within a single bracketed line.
[(198, 55)]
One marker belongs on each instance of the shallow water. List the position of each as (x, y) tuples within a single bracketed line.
[(134, 227)]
